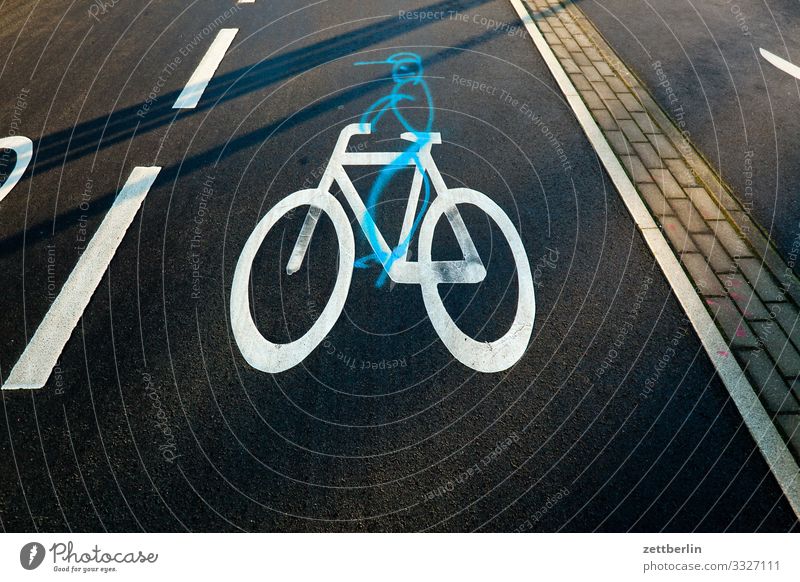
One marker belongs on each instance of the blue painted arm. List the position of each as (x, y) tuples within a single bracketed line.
[(381, 106)]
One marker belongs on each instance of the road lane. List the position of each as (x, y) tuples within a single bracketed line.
[(612, 419)]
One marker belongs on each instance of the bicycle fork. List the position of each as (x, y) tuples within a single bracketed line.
[(300, 247)]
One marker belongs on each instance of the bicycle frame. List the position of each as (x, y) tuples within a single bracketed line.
[(484, 356), (468, 270)]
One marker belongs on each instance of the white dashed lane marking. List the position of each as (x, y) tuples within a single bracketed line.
[(199, 80), (781, 64), (40, 356)]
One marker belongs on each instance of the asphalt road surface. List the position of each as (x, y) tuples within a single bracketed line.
[(612, 420), (702, 62)]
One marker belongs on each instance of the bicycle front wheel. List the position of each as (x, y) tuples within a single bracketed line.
[(504, 352), (259, 352)]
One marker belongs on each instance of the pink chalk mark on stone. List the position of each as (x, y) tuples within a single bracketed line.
[(740, 332), (723, 353)]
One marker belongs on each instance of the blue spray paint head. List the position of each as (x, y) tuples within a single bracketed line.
[(405, 67)]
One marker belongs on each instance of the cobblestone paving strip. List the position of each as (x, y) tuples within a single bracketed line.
[(749, 290)]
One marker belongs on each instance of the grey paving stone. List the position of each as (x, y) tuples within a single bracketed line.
[(591, 73), (705, 205), (603, 68), (617, 110), (753, 234), (712, 249), (735, 329), (730, 239), (677, 235), (778, 346), (744, 297), (580, 82), (636, 169), (561, 52), (782, 270), (632, 131), (551, 38), (571, 45), (592, 100), (669, 186), (619, 144), (662, 145), (781, 276), (580, 18), (702, 275), (655, 200), (619, 68), (617, 85), (789, 284), (580, 58), (689, 217), (630, 102), (574, 30), (789, 319), (645, 123), (745, 227), (541, 23), (593, 54), (578, 34), (570, 66), (710, 181), (772, 390), (604, 120), (603, 90), (682, 173), (760, 278), (562, 32), (648, 155)]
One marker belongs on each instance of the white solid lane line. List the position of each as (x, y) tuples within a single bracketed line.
[(782, 64), (40, 356), (756, 418), (199, 80)]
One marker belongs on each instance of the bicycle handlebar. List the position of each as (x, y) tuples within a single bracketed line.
[(366, 129)]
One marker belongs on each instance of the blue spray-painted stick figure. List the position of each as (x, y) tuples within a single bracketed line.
[(409, 87)]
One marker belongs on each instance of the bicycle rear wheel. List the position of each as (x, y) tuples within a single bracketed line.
[(504, 352), (259, 352)]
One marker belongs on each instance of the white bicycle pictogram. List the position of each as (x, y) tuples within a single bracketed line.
[(493, 356)]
